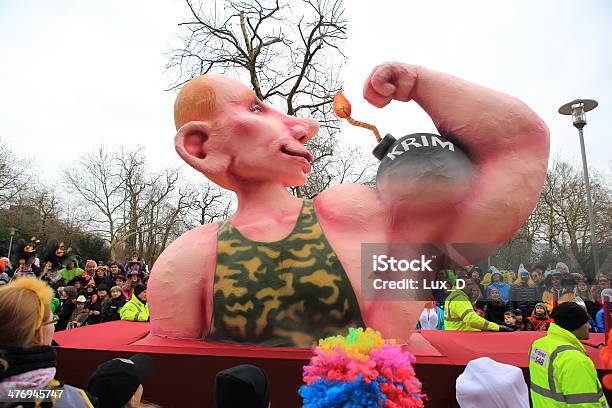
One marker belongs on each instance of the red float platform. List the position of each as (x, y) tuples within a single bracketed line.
[(185, 369)]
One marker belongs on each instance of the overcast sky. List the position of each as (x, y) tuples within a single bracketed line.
[(75, 74)]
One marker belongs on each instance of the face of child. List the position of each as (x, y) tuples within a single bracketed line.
[(509, 319), (114, 269), (80, 305), (78, 285), (134, 278), (115, 294), (582, 287), (494, 294), (539, 311)]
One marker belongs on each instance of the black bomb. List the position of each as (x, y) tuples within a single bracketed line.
[(423, 168)]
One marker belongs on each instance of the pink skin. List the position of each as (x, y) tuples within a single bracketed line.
[(257, 151)]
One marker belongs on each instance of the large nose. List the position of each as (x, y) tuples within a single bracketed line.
[(303, 129)]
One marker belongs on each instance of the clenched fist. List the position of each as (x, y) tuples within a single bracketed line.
[(391, 80)]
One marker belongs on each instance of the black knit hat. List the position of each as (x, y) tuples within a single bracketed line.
[(570, 316), (115, 382), (242, 386), (138, 289)]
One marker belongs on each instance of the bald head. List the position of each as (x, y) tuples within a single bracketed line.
[(204, 96)]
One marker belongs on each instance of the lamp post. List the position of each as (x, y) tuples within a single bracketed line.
[(11, 242), (577, 109)]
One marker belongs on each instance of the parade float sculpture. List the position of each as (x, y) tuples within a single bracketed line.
[(284, 271)]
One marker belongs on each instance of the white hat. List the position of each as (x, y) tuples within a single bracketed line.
[(81, 299), (485, 383)]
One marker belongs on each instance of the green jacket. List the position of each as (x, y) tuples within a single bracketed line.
[(69, 274), (54, 304), (459, 314), (135, 310), (562, 374)]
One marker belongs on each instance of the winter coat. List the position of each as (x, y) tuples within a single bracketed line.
[(107, 280), (59, 281), (32, 369), (599, 321), (69, 274), (135, 310), (79, 316), (503, 288), (97, 307), (533, 323), (432, 321), (523, 297), (494, 311), (563, 295), (110, 310), (65, 311)]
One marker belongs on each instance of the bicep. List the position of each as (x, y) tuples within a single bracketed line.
[(505, 190)]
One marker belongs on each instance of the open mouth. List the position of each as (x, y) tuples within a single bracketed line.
[(297, 153)]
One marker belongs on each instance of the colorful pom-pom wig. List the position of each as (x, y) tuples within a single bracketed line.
[(360, 370)]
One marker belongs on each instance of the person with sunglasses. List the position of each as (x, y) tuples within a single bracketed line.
[(27, 360)]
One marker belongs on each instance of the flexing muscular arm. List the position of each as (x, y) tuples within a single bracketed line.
[(506, 142)]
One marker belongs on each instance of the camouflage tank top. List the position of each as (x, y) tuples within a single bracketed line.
[(287, 293)]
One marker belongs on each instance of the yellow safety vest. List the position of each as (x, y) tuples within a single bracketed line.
[(135, 310), (562, 374), (459, 315)]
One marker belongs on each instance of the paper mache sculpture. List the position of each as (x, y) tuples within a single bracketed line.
[(284, 271)]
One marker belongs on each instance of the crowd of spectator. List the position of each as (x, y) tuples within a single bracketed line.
[(523, 300), (28, 363), (101, 292)]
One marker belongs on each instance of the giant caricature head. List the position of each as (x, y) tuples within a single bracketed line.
[(232, 137)]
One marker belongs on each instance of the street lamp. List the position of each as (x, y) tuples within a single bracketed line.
[(577, 109), (11, 242)]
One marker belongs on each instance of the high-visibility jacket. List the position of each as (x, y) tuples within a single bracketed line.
[(562, 374), (135, 310), (459, 315)]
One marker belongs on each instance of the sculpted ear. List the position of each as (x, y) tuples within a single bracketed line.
[(204, 150), (190, 141)]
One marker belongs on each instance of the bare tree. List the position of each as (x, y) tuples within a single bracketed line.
[(210, 205), (558, 228), (290, 53), (100, 187), (134, 208), (14, 174)]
